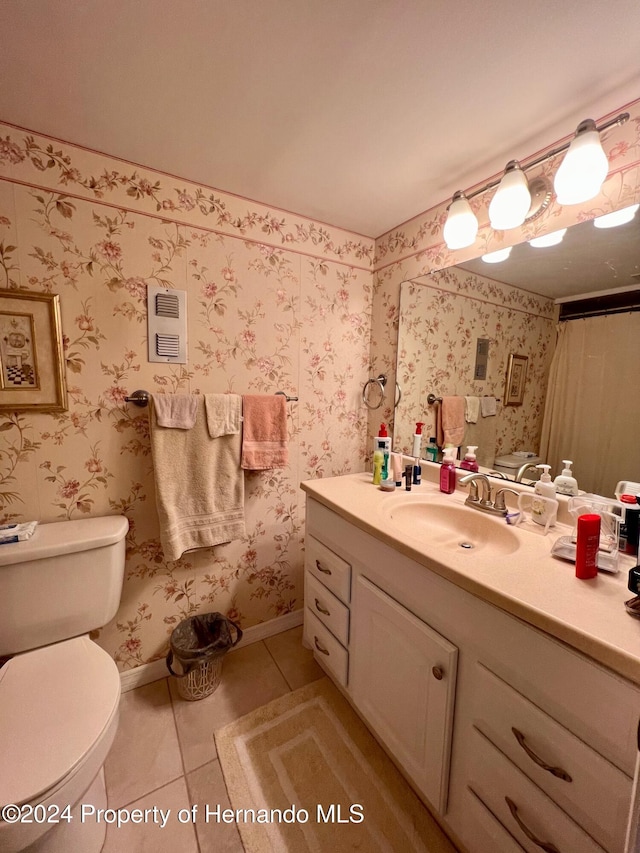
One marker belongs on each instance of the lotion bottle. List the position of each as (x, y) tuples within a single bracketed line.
[(546, 489), (566, 483), (469, 463), (417, 440), (448, 471)]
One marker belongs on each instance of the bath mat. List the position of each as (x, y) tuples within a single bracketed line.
[(305, 774)]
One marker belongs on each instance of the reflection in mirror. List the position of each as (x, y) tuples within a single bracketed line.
[(443, 316)]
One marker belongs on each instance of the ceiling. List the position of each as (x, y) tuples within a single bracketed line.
[(356, 113)]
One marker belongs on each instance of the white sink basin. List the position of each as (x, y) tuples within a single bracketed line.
[(449, 525)]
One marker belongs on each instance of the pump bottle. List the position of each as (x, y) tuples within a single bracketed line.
[(470, 463), (417, 440), (382, 442), (540, 510), (566, 483), (448, 471)]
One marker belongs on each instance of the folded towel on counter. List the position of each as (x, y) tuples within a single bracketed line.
[(471, 409), (264, 432), (16, 532), (175, 411), (199, 483), (450, 422), (223, 414), (488, 406)]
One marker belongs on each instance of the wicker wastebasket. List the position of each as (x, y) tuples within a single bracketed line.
[(198, 645)]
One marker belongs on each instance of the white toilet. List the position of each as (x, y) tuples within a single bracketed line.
[(59, 692)]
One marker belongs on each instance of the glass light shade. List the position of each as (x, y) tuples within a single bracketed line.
[(584, 168), (618, 217), (496, 257), (461, 226), (512, 200), (551, 239)]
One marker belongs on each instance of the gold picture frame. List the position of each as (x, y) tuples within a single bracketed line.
[(516, 378), (32, 374)]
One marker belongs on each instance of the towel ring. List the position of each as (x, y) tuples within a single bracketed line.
[(380, 381)]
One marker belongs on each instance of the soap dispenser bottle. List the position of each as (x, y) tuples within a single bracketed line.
[(470, 463), (448, 471), (417, 440), (382, 442), (566, 483), (541, 510)]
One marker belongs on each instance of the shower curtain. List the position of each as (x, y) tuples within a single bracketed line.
[(592, 412)]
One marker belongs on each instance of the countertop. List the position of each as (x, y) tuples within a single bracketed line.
[(540, 589)]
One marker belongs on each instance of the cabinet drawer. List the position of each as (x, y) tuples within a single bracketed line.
[(520, 806), (329, 610), (326, 649), (329, 568), (596, 794), (482, 830)]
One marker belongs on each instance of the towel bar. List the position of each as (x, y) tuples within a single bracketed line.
[(141, 398), (431, 399)]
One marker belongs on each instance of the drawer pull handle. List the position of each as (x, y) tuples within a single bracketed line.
[(319, 647), (322, 569), (555, 771), (547, 846), (322, 609), (438, 673)]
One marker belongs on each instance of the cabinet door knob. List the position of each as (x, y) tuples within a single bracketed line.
[(438, 673), (547, 846), (322, 609), (321, 568), (555, 771), (319, 647)]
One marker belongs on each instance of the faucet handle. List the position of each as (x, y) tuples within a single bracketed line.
[(499, 503)]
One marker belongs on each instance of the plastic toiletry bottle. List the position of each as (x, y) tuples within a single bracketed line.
[(417, 471), (378, 459), (587, 543), (546, 489), (396, 467), (566, 483), (469, 463), (408, 474), (382, 442), (448, 471), (417, 440), (432, 450)]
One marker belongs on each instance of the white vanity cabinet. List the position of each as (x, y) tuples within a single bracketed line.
[(516, 740)]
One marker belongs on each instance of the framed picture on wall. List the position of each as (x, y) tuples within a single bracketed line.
[(516, 377), (32, 375)]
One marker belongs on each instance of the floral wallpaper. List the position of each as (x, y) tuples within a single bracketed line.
[(273, 304), (442, 318)]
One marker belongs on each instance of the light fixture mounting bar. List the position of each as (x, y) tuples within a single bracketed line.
[(618, 120)]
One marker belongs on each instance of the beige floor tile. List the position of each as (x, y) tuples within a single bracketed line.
[(296, 663), (207, 788), (145, 754), (250, 678), (149, 836)]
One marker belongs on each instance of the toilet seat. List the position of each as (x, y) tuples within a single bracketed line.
[(57, 704)]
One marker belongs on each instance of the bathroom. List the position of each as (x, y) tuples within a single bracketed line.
[(277, 301)]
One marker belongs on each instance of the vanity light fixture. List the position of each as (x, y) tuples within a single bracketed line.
[(618, 217), (551, 239), (512, 200), (579, 178), (461, 226), (497, 256)]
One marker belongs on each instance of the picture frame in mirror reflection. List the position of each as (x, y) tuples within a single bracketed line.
[(32, 375), (516, 378)]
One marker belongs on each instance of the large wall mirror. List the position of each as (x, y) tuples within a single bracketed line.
[(510, 306)]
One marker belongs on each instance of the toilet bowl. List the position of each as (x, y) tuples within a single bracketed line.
[(58, 702)]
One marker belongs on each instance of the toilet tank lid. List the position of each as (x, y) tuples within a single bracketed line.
[(65, 537)]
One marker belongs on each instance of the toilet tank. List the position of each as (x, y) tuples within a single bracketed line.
[(64, 581)]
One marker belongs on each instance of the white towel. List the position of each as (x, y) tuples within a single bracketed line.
[(488, 406), (223, 414), (471, 409), (199, 484)]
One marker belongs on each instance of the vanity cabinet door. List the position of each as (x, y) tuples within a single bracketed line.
[(402, 680)]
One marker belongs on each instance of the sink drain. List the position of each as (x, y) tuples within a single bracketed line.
[(466, 545)]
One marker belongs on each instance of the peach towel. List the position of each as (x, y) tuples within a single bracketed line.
[(264, 432), (450, 422)]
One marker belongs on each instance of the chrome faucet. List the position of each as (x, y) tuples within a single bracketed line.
[(522, 469), (499, 503), (483, 501)]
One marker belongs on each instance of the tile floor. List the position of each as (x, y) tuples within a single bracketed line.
[(164, 755)]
